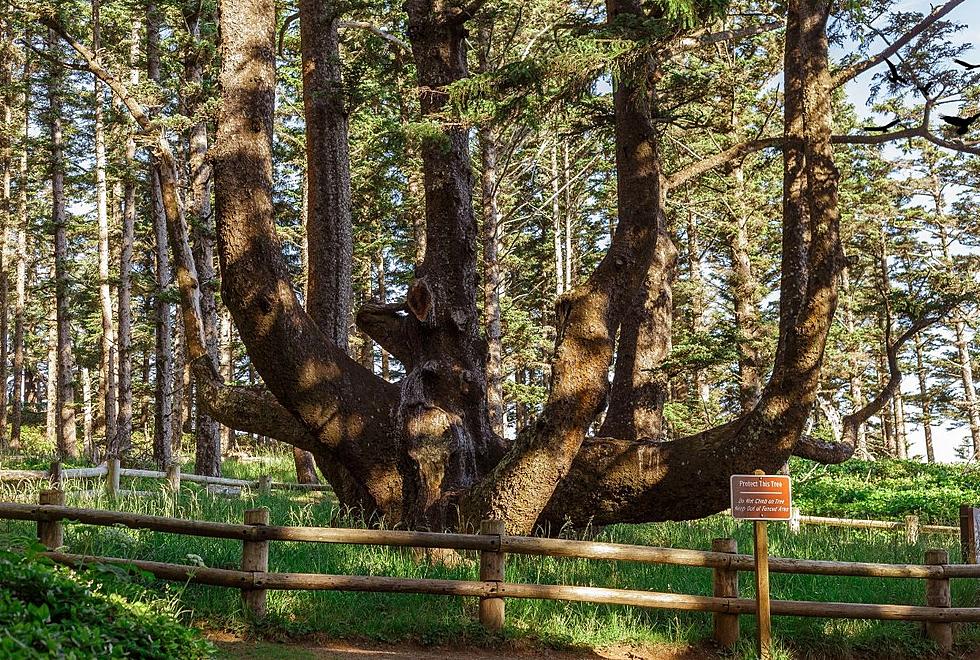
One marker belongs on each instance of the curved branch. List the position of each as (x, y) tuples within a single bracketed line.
[(856, 69), (385, 324)]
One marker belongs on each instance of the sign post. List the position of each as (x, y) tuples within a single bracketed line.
[(760, 498)]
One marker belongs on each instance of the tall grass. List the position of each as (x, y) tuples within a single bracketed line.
[(440, 619)]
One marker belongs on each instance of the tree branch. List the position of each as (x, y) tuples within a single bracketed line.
[(385, 324), (856, 69), (692, 43), (682, 176)]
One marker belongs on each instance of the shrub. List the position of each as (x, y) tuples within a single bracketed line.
[(48, 611)]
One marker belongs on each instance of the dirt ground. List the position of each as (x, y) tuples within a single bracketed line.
[(231, 646), (315, 648)]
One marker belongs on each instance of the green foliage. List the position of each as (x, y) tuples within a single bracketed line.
[(885, 490), (48, 611)]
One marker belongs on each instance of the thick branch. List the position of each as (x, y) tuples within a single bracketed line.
[(385, 324), (858, 68)]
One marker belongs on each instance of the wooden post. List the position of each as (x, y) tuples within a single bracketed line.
[(763, 613), (265, 485), (725, 582), (492, 570), (912, 529), (970, 534), (112, 476), (50, 533), (255, 557), (794, 520), (938, 595), (173, 477), (57, 476)]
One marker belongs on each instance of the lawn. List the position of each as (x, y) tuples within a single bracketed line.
[(437, 620)]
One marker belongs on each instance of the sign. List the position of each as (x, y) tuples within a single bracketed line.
[(761, 497)]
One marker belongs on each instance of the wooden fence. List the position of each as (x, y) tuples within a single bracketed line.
[(493, 545), (112, 471)]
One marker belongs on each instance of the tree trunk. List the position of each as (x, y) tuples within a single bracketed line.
[(698, 307), (51, 395), (969, 390), (65, 388), (21, 283), (855, 367), (107, 361), (124, 420), (925, 401), (489, 183), (88, 417), (207, 437), (556, 223), (227, 369), (745, 287), (640, 388)]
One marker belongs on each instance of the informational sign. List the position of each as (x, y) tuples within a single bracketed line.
[(761, 497)]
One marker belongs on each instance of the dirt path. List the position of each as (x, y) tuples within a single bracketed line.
[(231, 646)]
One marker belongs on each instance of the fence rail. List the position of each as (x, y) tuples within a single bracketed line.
[(493, 545), (112, 471)]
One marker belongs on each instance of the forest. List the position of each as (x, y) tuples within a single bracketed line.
[(546, 261)]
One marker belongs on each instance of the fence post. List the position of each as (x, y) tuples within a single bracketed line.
[(265, 485), (938, 595), (57, 476), (173, 477), (255, 557), (725, 582), (492, 570), (112, 476), (50, 532), (970, 534), (912, 529), (794, 520)]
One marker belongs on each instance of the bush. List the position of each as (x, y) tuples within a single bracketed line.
[(48, 611)]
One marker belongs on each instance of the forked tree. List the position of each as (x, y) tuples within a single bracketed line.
[(422, 452)]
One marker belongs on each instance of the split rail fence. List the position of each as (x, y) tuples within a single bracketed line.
[(112, 472), (493, 545)]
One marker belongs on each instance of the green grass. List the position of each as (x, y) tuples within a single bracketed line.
[(432, 619)]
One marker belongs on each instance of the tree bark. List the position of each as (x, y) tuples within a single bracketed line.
[(107, 358), (745, 287), (489, 183), (65, 386), (21, 282), (207, 437), (925, 401), (124, 419)]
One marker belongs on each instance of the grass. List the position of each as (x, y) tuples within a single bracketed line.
[(433, 619)]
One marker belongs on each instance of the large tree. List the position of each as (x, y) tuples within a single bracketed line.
[(423, 452)]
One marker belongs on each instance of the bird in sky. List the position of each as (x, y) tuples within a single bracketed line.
[(882, 129), (893, 74), (962, 124), (969, 67)]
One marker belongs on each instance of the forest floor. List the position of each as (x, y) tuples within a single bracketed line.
[(308, 624)]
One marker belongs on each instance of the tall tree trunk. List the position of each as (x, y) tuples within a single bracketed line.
[(227, 368), (7, 132), (698, 307), (124, 421), (745, 287), (107, 362), (854, 366), (207, 436), (489, 183), (65, 389), (88, 417), (966, 376), (51, 394), (163, 439), (21, 282), (556, 223), (901, 432), (925, 401)]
